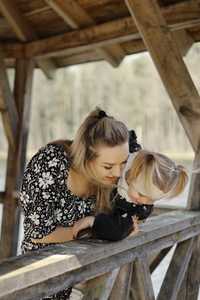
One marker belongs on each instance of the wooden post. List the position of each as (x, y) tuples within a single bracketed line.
[(168, 60), (159, 257), (190, 286), (142, 288), (16, 159), (176, 271), (185, 98), (121, 288), (7, 105), (100, 287)]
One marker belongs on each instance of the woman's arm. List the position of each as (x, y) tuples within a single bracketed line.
[(59, 235)]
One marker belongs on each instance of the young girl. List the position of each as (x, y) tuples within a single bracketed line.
[(148, 177)]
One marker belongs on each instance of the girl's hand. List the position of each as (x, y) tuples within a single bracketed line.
[(82, 224), (135, 226)]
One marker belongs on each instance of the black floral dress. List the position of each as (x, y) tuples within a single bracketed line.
[(46, 200)]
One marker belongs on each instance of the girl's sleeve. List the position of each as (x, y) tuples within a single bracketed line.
[(112, 227), (38, 191)]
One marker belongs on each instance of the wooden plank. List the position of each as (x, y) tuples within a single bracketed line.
[(121, 288), (2, 195), (170, 65), (109, 33), (190, 287), (16, 21), (161, 209), (96, 36), (8, 108), (176, 271), (71, 12), (24, 32), (143, 283), (193, 197), (16, 160), (184, 41), (49, 270), (157, 260), (76, 17), (100, 287), (114, 54)]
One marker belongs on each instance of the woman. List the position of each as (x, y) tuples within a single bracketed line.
[(67, 182)]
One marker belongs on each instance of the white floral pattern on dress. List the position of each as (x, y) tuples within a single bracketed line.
[(46, 200)]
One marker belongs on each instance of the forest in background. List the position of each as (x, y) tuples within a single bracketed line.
[(132, 92)]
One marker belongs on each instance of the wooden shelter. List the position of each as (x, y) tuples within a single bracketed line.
[(49, 34)]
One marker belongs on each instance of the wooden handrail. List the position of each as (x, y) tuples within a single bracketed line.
[(49, 270)]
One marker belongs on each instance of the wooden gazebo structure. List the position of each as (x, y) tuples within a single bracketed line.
[(49, 34)]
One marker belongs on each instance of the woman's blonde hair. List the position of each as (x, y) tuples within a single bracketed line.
[(97, 129), (166, 175)]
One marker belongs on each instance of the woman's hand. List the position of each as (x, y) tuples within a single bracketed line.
[(81, 224)]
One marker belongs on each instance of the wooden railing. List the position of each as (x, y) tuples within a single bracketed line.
[(49, 270)]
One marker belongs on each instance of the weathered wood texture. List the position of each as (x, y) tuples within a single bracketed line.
[(121, 288), (190, 286), (7, 105), (158, 258), (52, 269), (16, 159), (24, 32), (90, 38), (76, 17), (143, 284), (105, 34), (183, 40), (100, 287), (169, 63), (176, 271)]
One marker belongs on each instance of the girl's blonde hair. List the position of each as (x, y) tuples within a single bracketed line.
[(97, 129), (165, 174)]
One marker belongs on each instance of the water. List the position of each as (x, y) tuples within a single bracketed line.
[(159, 273)]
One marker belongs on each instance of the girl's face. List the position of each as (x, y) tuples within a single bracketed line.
[(136, 196), (109, 164)]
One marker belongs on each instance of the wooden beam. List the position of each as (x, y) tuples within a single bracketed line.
[(143, 283), (16, 160), (15, 196), (114, 54), (184, 41), (109, 33), (157, 260), (49, 270), (71, 12), (190, 287), (90, 38), (24, 32), (170, 65), (100, 287), (7, 104), (76, 17), (160, 209), (176, 271), (121, 288)]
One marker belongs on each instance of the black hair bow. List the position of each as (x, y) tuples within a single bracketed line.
[(133, 145)]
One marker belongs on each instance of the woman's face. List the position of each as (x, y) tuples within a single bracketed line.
[(109, 164)]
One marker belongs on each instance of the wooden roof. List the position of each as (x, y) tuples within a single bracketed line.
[(66, 32)]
